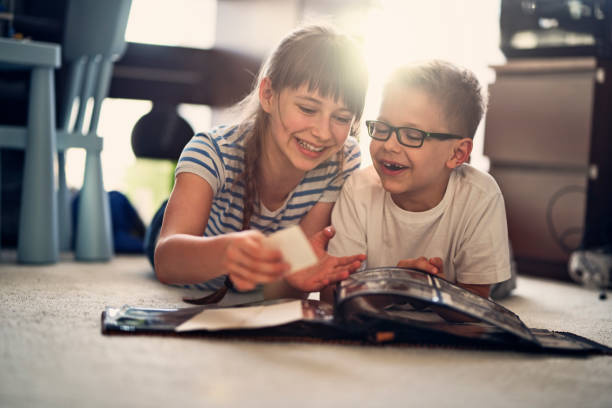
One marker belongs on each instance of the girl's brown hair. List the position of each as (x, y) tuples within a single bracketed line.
[(327, 61)]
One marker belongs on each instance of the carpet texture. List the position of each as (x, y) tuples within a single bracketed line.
[(52, 353)]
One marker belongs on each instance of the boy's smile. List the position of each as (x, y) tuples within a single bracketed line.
[(415, 177), (392, 168)]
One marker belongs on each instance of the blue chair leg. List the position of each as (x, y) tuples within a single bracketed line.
[(94, 241), (0, 199), (38, 240), (76, 71), (64, 205)]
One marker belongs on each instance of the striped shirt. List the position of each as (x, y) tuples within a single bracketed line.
[(218, 157)]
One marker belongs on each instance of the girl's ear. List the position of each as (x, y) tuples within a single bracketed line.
[(266, 95), (460, 153)]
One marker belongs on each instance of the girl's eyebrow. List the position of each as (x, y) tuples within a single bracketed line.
[(319, 102), (310, 99)]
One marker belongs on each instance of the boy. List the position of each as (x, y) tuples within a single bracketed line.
[(420, 204)]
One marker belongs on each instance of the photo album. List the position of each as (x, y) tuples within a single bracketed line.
[(387, 305)]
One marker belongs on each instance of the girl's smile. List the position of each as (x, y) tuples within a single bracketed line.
[(309, 149), (308, 146)]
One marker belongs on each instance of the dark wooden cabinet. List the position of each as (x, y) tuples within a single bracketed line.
[(548, 136)]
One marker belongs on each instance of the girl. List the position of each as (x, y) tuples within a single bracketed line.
[(284, 164)]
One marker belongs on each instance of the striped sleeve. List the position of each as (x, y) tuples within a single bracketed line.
[(351, 162), (202, 156)]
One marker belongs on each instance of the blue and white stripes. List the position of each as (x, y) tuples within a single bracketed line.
[(218, 157)]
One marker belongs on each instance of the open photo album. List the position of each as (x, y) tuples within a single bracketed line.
[(375, 306)]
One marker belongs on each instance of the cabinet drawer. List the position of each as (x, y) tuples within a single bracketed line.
[(529, 195), (541, 118)]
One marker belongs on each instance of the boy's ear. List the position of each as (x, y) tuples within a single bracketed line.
[(266, 94), (460, 153)]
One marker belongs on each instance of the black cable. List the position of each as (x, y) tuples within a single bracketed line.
[(570, 232), (560, 238)]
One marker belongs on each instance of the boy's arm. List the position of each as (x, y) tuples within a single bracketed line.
[(435, 266), (483, 257), (480, 290)]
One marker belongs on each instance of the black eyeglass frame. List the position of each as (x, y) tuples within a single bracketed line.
[(392, 129)]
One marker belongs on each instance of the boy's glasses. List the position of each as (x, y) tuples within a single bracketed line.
[(406, 136)]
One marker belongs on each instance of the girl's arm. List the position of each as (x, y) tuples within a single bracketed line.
[(183, 255), (180, 256), (317, 218)]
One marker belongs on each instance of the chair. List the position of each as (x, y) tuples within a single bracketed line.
[(38, 225), (93, 40)]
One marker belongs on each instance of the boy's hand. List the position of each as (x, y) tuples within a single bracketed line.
[(434, 266), (329, 269)]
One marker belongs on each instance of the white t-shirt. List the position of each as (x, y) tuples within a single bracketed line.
[(467, 229)]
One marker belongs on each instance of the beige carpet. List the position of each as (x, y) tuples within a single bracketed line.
[(53, 355)]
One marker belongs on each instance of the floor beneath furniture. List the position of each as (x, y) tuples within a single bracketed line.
[(52, 353)]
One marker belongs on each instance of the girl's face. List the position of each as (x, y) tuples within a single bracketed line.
[(306, 128)]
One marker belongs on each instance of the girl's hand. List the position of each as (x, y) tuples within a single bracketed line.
[(329, 269), (434, 266), (248, 262)]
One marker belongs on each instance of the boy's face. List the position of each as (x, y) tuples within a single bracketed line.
[(415, 177)]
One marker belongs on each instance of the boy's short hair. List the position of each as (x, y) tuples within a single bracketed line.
[(457, 89)]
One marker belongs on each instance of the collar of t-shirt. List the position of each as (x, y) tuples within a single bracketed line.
[(423, 216)]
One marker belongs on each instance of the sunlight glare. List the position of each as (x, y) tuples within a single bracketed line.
[(465, 32), (184, 23)]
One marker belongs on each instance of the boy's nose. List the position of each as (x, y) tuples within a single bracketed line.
[(392, 144)]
